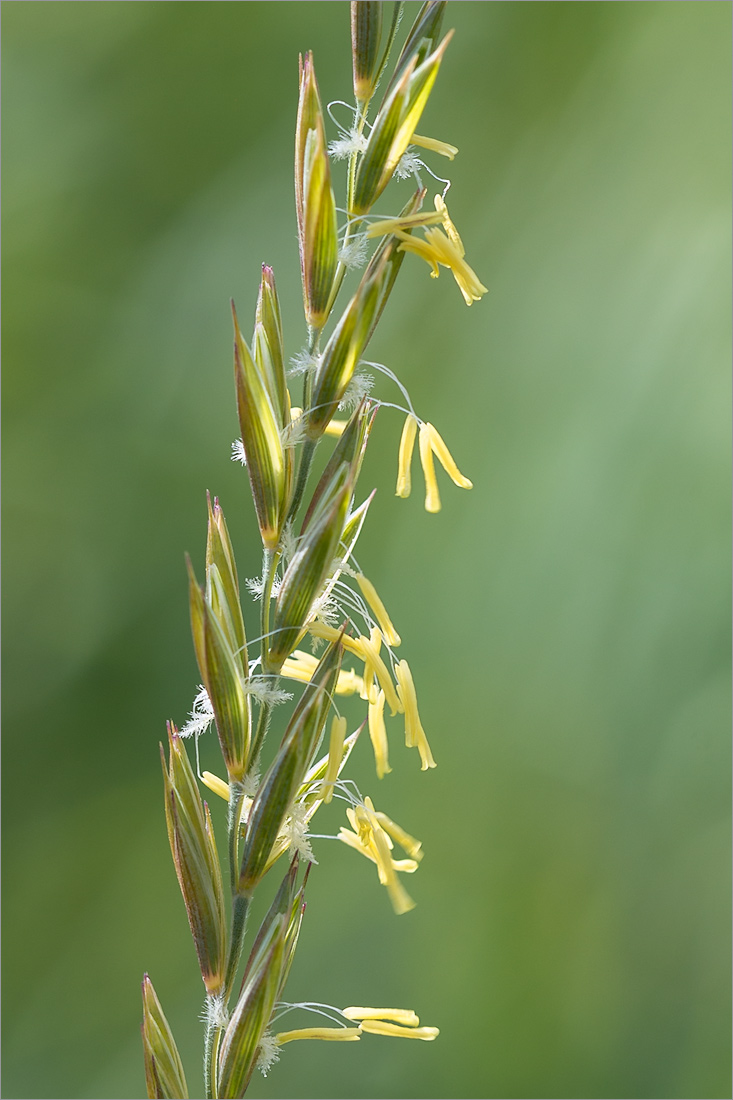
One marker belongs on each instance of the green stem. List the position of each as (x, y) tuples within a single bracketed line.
[(211, 1049), (396, 17), (240, 905), (353, 160), (270, 559), (306, 454), (314, 337), (262, 721), (234, 817), (215, 1059), (352, 221), (304, 468)]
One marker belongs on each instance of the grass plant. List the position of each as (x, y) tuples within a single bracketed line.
[(312, 587)]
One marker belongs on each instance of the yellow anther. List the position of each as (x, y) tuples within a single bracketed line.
[(369, 592), (409, 221), (301, 666), (405, 866), (408, 866), (369, 654), (412, 846), (329, 633), (401, 900), (407, 446), (379, 1027), (352, 840), (434, 146), (378, 736), (432, 443), (437, 248), (330, 1034), (432, 496), (361, 824), (445, 458), (335, 756), (448, 225), (218, 786), (369, 690), (404, 1016), (348, 682), (335, 427), (372, 841), (421, 248), (414, 732)]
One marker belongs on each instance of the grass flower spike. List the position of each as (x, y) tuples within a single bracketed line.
[(275, 776), (164, 1074), (314, 200)]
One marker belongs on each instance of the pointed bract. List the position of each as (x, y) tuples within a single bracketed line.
[(164, 1076), (222, 585), (267, 344), (243, 1034), (422, 37), (366, 32), (260, 423), (314, 200), (308, 568), (342, 352), (197, 863), (281, 782), (394, 126), (349, 449), (221, 673)]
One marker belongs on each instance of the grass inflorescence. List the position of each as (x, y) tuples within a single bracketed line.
[(322, 623)]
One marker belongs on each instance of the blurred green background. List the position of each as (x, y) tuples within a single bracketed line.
[(567, 621)]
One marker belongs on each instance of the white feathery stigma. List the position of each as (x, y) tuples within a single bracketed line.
[(296, 830), (350, 141), (408, 165), (238, 454), (262, 691), (269, 1053), (361, 385), (353, 253), (201, 716), (256, 586), (303, 363)]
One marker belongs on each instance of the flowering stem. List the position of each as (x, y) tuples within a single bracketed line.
[(262, 723), (211, 1050), (236, 797), (270, 559), (282, 802), (240, 906), (396, 20), (353, 157), (351, 222), (314, 337), (309, 447), (306, 460)]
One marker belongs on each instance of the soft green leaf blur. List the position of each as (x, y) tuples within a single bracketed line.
[(566, 621)]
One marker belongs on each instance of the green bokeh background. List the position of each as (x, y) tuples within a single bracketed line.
[(567, 621)]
